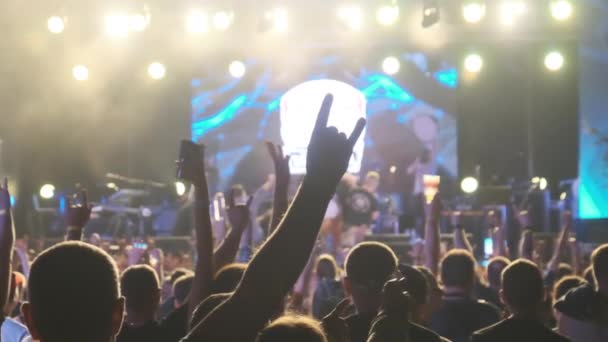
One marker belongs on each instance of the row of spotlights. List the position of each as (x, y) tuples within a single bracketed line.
[(469, 185), (474, 11), (157, 71), (553, 61)]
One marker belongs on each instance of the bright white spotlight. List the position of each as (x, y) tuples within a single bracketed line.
[(542, 184), (473, 63), (55, 24), (156, 70), (47, 191), (112, 185), (180, 188), (554, 61), (237, 69), (80, 72), (469, 185), (511, 10), (561, 10), (197, 22), (117, 25), (563, 196), (138, 22), (473, 12), (352, 16), (387, 15), (222, 20), (393, 169), (278, 19), (391, 65)]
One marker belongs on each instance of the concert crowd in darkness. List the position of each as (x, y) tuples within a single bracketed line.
[(301, 273)]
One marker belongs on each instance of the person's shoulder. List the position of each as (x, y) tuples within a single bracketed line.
[(420, 333), (578, 303), (487, 307), (489, 333)]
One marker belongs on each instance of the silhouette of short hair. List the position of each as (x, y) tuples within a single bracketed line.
[(566, 284), (370, 264), (494, 269), (139, 284), (182, 287), (326, 266), (588, 275), (415, 283), (599, 261), (228, 278), (563, 270), (522, 285), (292, 328), (458, 268), (178, 273), (73, 290)]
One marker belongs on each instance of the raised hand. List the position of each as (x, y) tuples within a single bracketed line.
[(433, 210), (334, 325), (239, 216), (329, 151), (395, 301), (281, 164), (77, 215)]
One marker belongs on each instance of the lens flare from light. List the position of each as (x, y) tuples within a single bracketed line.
[(391, 65), (197, 22), (554, 61), (473, 63), (387, 15), (55, 24), (473, 12), (47, 191), (469, 185), (180, 188), (561, 10), (80, 72), (237, 69), (156, 70)]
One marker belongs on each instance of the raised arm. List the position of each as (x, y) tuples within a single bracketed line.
[(498, 221), (77, 217), (7, 242), (275, 268), (460, 235), (239, 217), (283, 176), (203, 269), (562, 242), (431, 235)]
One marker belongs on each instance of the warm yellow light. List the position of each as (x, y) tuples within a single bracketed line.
[(473, 12), (197, 22), (237, 69), (156, 70), (55, 24), (473, 63), (561, 10), (352, 16), (391, 65), (387, 15), (554, 61), (80, 72)]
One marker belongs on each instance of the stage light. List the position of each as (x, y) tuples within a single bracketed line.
[(391, 65), (535, 180), (138, 22), (80, 72), (554, 61), (469, 185), (55, 24), (278, 19), (561, 10), (237, 69), (473, 12), (473, 63), (393, 169), (511, 10), (387, 15), (542, 183), (563, 196), (117, 25), (47, 191), (180, 188), (352, 16), (156, 70), (222, 20), (112, 186), (197, 22)]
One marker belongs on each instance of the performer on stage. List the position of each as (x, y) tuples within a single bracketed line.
[(360, 210)]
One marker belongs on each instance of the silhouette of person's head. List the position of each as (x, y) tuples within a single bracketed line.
[(369, 265), (181, 289), (494, 271), (599, 261), (458, 270), (566, 284), (523, 290), (326, 268), (140, 286), (228, 278), (417, 287), (74, 295), (293, 329)]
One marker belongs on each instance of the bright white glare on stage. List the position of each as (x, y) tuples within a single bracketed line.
[(138, 22), (511, 10), (387, 15), (237, 69), (112, 185), (561, 10), (197, 22), (156, 70), (180, 188), (563, 196), (47, 191), (391, 65), (117, 25), (352, 16), (80, 72), (393, 169), (542, 184), (473, 63), (473, 12), (554, 61), (55, 24), (469, 185), (222, 20), (278, 19)]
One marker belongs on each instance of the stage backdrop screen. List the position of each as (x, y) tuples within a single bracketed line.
[(409, 114)]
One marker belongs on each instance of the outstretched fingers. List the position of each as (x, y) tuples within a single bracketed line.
[(323, 116), (354, 136)]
